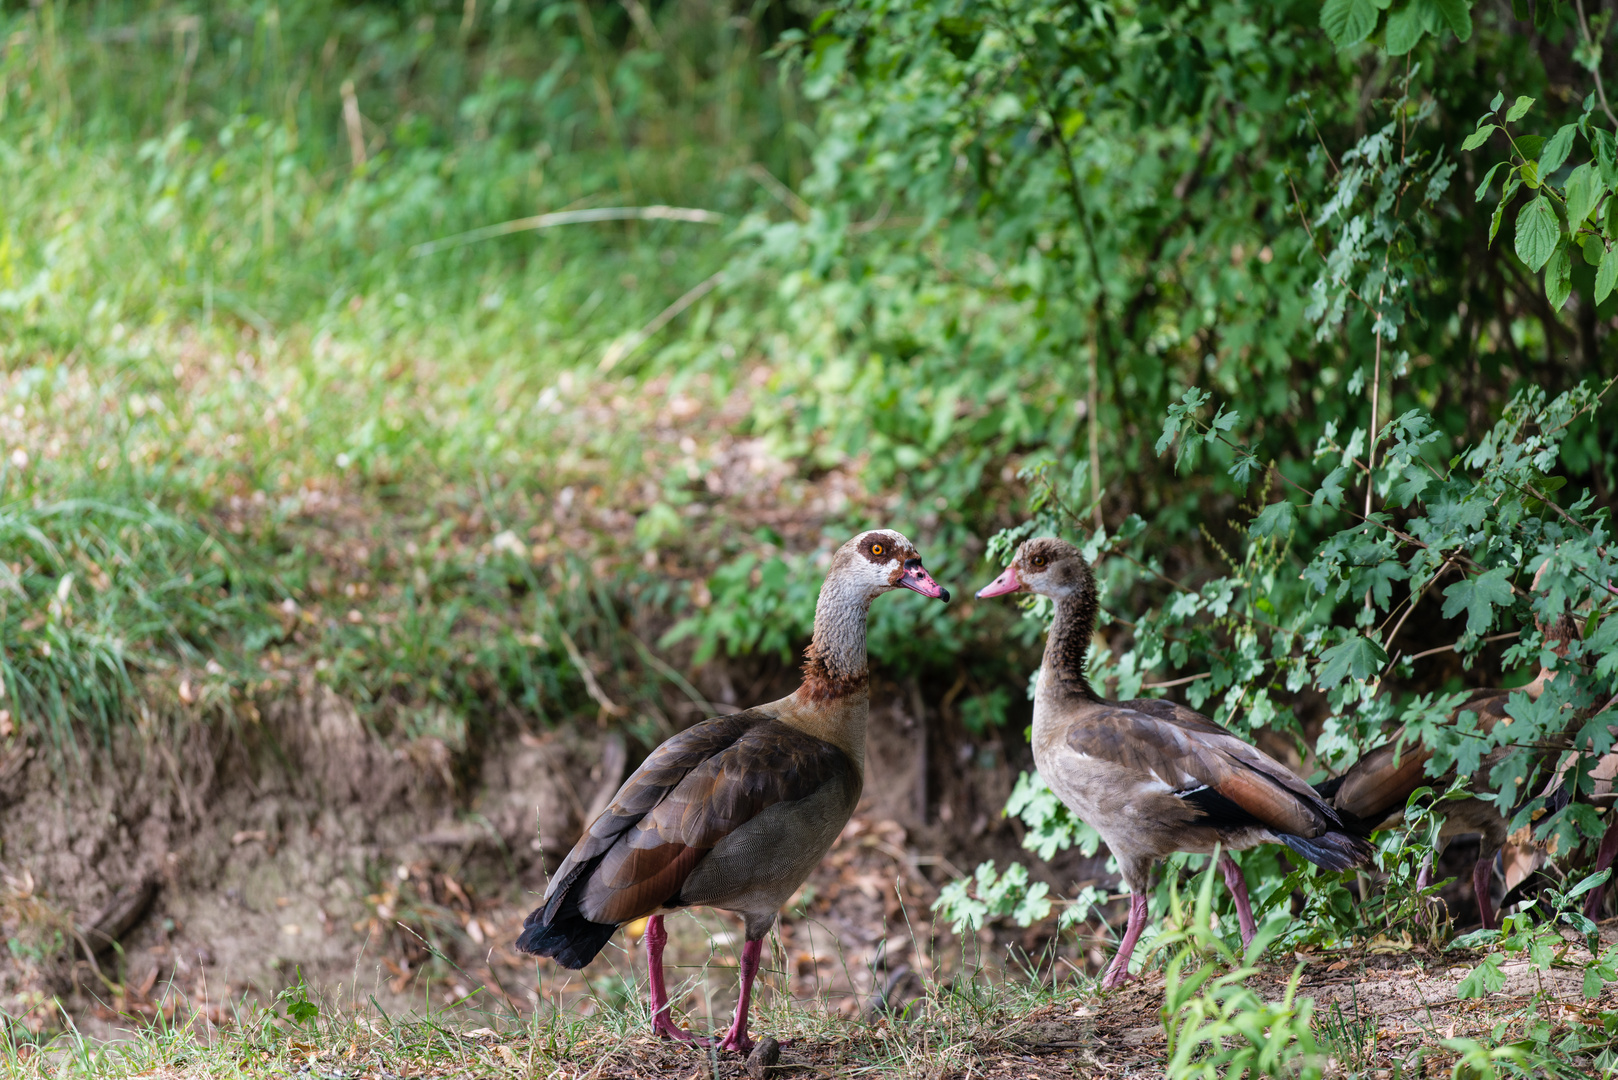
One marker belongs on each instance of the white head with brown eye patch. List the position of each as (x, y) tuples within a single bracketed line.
[(882, 559), (1043, 565)]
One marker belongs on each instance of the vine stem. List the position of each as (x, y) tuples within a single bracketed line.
[(1601, 91), (1100, 338)]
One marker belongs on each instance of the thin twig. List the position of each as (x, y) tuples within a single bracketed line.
[(1416, 600), (1376, 390), (571, 217), (1175, 682), (624, 346), (1101, 340), (1310, 113), (1601, 91), (783, 194), (1451, 646), (591, 687)]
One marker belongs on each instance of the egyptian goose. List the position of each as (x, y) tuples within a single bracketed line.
[(736, 811), (1373, 792), (1150, 776)]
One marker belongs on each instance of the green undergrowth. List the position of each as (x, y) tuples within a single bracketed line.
[(267, 409)]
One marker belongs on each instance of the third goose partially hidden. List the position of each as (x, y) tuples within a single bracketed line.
[(1150, 776)]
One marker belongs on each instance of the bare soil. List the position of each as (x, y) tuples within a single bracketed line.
[(193, 866)]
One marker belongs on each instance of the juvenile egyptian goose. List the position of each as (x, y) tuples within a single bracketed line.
[(1150, 776), (1373, 792), (736, 811)]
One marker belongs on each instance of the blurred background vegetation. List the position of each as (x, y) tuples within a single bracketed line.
[(298, 382)]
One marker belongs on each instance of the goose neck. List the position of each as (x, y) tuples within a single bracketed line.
[(1062, 674), (835, 664)]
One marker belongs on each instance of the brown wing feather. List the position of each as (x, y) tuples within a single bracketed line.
[(1187, 751), (1377, 786), (692, 792)]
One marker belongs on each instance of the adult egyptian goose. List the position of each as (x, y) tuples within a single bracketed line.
[(1372, 794), (1150, 776), (736, 811)]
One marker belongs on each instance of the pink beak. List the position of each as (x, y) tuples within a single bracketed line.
[(918, 579), (1006, 583)]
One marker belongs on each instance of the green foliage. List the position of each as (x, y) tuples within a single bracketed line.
[(1349, 22), (988, 894), (299, 1009), (235, 391), (1216, 1025), (1050, 826)]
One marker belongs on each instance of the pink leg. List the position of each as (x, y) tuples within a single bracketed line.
[(1605, 855), (1118, 972), (1238, 892), (656, 938), (1482, 875), (736, 1038)]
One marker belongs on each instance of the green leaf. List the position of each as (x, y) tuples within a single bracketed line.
[(1330, 491), (1348, 22), (1559, 276), (1557, 150), (1537, 233), (1593, 982), (1488, 179), (1274, 520), (1518, 110), (1499, 98), (1478, 597), (1414, 483), (1478, 137), (1529, 146), (1404, 32), (1607, 276), (1458, 14), (1358, 657), (1583, 193), (1486, 978)]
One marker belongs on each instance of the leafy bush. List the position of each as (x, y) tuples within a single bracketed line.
[(1379, 509)]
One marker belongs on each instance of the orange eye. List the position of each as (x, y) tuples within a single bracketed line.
[(1038, 560), (877, 549)]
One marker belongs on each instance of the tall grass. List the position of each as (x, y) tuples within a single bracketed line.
[(243, 419)]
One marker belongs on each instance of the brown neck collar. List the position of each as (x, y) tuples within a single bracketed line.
[(834, 664)]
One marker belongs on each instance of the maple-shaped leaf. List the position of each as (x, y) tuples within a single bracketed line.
[(1478, 597), (1359, 657)]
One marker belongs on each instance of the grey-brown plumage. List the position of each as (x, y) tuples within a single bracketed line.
[(1150, 776), (735, 812), (1372, 794), (689, 827)]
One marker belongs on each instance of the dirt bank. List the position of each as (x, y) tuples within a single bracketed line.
[(227, 853)]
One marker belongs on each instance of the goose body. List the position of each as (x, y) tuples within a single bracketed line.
[(736, 811), (1152, 777)]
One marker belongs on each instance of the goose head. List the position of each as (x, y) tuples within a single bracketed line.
[(1043, 565), (880, 560)]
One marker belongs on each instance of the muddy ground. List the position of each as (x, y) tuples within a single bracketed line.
[(196, 869), (222, 859)]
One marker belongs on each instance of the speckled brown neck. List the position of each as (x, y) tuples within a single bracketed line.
[(1068, 644)]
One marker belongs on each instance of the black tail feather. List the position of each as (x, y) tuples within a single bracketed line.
[(1328, 787), (1332, 850), (566, 936)]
